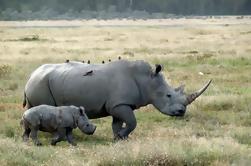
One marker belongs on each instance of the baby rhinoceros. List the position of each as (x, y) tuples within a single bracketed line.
[(59, 121)]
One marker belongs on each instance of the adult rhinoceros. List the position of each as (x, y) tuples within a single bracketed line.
[(114, 89)]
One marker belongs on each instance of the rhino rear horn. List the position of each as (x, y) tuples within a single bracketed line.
[(180, 89), (193, 96)]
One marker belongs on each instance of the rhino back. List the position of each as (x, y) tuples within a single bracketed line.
[(68, 116), (42, 115), (49, 118), (105, 87), (71, 87)]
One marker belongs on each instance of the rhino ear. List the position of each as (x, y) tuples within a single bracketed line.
[(158, 68), (82, 110)]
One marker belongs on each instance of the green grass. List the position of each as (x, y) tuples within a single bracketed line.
[(215, 130)]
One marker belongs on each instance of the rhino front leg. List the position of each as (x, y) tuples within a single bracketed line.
[(125, 114), (69, 136), (34, 137), (59, 136), (116, 127)]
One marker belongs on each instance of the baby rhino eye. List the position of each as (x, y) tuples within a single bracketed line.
[(168, 95)]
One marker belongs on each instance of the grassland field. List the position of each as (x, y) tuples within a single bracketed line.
[(216, 129)]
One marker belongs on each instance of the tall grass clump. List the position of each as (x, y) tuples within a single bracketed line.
[(17, 153), (184, 151), (5, 70)]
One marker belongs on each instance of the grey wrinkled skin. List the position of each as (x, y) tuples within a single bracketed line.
[(114, 89), (60, 121)]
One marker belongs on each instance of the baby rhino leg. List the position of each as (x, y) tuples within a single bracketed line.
[(69, 136), (27, 131), (34, 131), (59, 136)]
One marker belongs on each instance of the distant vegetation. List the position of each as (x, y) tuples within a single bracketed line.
[(107, 9)]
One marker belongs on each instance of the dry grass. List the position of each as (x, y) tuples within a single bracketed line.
[(215, 131)]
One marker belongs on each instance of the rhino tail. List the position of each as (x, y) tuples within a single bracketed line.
[(22, 121), (24, 100)]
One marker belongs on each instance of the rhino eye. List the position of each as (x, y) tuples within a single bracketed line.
[(168, 95)]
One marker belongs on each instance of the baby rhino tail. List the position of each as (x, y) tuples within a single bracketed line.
[(22, 121)]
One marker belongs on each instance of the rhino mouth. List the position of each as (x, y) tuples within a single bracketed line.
[(178, 113), (174, 114), (91, 132)]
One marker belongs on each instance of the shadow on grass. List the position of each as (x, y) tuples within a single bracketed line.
[(93, 139)]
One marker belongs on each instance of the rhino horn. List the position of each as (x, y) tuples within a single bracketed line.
[(193, 96)]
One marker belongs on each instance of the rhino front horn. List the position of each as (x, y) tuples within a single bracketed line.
[(193, 96)]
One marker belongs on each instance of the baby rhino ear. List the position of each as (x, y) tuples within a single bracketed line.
[(158, 68), (82, 110)]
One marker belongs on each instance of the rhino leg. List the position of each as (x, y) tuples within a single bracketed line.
[(116, 127), (26, 134), (69, 136), (126, 115), (59, 136), (34, 137), (27, 131)]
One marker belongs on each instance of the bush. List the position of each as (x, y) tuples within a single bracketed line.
[(9, 132), (30, 38), (13, 86), (5, 70)]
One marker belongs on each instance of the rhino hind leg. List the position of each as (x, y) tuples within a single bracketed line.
[(27, 131), (126, 115), (34, 137)]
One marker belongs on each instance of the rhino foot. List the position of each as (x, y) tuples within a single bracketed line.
[(116, 138), (53, 142), (119, 137), (73, 144), (25, 138), (38, 144)]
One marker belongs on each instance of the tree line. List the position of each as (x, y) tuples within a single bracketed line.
[(177, 7)]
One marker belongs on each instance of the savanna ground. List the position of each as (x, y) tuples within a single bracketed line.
[(216, 129)]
